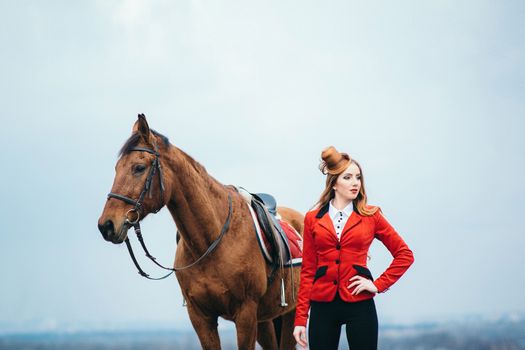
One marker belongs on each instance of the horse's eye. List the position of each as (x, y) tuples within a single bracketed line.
[(139, 168)]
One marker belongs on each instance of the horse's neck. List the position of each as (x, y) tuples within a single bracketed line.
[(198, 203)]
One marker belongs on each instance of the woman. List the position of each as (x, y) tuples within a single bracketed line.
[(336, 285)]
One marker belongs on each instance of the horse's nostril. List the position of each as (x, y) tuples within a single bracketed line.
[(106, 229)]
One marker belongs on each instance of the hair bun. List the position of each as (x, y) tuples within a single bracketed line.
[(333, 162)]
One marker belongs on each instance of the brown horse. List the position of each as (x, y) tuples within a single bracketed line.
[(232, 281)]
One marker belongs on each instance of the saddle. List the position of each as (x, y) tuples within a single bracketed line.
[(279, 241)]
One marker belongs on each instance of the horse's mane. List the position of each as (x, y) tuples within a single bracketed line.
[(201, 169), (134, 140)]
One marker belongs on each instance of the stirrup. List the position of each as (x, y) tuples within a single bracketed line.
[(283, 295)]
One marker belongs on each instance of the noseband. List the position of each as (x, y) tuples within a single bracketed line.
[(138, 208)]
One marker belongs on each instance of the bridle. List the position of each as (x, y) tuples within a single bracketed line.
[(155, 166), (138, 208)]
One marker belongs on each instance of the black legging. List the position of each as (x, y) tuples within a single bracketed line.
[(326, 319)]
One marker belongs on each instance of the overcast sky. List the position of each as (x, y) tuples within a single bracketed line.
[(428, 96)]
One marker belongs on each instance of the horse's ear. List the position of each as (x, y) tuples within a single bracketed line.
[(141, 127)]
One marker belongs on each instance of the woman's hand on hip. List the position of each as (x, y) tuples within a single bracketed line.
[(299, 334), (361, 284)]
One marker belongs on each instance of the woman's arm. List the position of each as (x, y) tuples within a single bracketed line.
[(309, 265), (403, 256)]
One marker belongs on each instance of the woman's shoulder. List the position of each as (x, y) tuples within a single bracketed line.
[(311, 213), (374, 210)]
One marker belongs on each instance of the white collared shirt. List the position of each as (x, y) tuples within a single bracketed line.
[(339, 217)]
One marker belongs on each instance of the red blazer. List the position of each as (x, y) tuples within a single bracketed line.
[(328, 264)]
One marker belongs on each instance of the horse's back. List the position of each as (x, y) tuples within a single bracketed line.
[(293, 217)]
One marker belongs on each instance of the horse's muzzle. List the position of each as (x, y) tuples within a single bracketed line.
[(108, 232)]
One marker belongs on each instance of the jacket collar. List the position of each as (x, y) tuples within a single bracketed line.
[(326, 222), (333, 211), (323, 210)]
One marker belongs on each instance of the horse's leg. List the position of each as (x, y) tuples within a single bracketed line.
[(287, 338), (206, 328), (266, 335), (246, 324)]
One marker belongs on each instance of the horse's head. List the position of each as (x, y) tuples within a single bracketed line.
[(139, 187)]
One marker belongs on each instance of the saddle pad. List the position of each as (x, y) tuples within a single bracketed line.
[(294, 239)]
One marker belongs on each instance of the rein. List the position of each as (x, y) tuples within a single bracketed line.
[(138, 208)]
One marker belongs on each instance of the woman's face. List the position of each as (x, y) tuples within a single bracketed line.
[(348, 184)]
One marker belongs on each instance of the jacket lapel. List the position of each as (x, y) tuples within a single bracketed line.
[(353, 220), (325, 221)]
